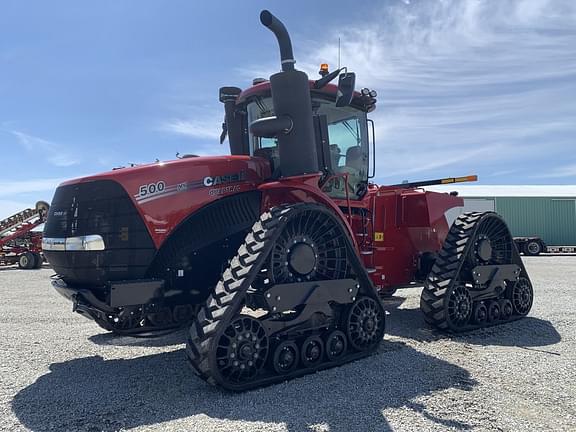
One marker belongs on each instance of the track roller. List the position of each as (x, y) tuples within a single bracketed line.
[(336, 344), (286, 357), (312, 351)]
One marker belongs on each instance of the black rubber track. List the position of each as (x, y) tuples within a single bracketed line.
[(447, 269), (227, 300)]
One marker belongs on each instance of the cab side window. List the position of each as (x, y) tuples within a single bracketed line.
[(348, 157)]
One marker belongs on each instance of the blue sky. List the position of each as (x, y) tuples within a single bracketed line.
[(477, 86)]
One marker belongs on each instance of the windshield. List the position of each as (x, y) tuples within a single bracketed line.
[(347, 131)]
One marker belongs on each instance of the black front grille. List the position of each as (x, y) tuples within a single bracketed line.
[(100, 207)]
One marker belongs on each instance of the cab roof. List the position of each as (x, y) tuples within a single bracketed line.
[(329, 91)]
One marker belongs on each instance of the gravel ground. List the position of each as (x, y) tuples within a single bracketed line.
[(59, 372)]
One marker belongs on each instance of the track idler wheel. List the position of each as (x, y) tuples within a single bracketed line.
[(312, 351), (285, 358), (522, 296), (459, 307), (365, 324), (241, 350), (336, 345)]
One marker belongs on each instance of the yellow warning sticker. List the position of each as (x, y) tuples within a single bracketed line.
[(378, 236)]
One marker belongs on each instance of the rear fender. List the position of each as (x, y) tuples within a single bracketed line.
[(292, 190)]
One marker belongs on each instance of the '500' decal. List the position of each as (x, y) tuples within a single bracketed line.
[(219, 185), (150, 189)]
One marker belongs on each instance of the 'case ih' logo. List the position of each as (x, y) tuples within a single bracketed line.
[(223, 179)]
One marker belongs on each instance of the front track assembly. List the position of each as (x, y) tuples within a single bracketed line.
[(294, 300), (478, 279)]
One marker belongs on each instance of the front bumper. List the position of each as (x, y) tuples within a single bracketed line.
[(119, 296)]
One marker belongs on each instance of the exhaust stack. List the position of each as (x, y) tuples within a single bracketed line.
[(292, 106), (276, 27)]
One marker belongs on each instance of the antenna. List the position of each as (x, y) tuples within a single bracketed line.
[(338, 52)]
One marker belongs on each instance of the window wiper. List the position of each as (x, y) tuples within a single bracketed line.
[(262, 106), (353, 132)]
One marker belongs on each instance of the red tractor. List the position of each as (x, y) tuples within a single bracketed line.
[(276, 257)]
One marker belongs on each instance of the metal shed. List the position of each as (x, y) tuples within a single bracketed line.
[(548, 212)]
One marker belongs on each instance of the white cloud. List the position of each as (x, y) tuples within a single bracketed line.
[(464, 85), (10, 188), (10, 207), (562, 171), (202, 127), (55, 153), (205, 129)]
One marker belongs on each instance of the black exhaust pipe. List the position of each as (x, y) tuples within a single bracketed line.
[(276, 26), (291, 99)]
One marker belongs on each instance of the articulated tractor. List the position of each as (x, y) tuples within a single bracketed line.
[(277, 256)]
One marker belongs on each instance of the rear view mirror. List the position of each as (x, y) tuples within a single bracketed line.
[(346, 83)]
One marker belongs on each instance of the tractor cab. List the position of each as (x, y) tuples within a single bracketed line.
[(341, 134), (348, 150)]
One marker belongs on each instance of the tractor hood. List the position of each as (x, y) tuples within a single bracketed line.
[(164, 193)]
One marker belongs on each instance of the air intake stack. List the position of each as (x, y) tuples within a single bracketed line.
[(292, 125)]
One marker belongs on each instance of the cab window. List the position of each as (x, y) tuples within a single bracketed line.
[(348, 137), (348, 144)]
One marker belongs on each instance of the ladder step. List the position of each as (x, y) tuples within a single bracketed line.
[(366, 252), (371, 270)]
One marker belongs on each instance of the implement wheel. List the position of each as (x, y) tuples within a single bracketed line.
[(27, 261), (39, 260), (532, 248)]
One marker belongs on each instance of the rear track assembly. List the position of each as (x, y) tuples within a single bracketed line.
[(478, 279)]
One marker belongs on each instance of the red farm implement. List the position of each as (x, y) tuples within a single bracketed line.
[(18, 243)]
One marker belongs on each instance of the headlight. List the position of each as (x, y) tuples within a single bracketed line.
[(92, 242)]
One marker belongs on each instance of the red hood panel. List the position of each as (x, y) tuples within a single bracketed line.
[(166, 192)]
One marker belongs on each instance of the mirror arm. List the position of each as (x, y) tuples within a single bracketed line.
[(318, 84), (270, 127)]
